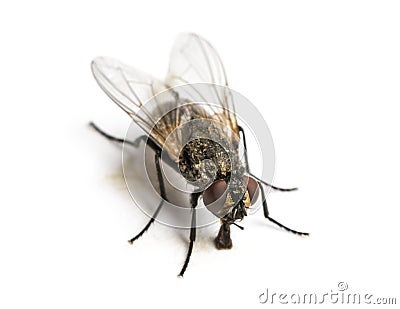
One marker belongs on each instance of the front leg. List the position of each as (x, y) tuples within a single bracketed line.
[(193, 200), (266, 215)]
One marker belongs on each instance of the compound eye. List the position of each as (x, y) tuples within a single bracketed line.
[(214, 192), (214, 197), (252, 189)]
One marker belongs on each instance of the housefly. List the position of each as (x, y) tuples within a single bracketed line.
[(206, 152)]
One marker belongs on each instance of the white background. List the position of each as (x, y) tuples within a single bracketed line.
[(325, 76)]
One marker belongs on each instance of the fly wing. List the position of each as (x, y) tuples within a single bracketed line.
[(194, 60), (130, 89)]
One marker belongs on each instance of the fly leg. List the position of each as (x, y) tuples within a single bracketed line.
[(271, 186), (136, 143), (148, 224), (245, 150), (157, 150), (163, 195), (266, 215), (117, 139), (248, 169), (222, 234), (193, 200)]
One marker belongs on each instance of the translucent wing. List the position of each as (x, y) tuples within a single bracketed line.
[(194, 60), (130, 89)]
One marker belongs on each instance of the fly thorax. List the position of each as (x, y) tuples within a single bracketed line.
[(203, 160)]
